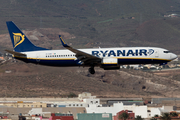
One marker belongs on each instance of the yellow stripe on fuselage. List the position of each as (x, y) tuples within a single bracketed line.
[(141, 58), (45, 58), (109, 63), (75, 58)]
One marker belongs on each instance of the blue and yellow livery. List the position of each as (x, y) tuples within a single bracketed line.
[(106, 58)]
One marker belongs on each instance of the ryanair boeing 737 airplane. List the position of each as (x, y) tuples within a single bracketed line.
[(106, 58)]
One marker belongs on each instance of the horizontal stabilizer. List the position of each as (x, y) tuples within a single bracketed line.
[(15, 53)]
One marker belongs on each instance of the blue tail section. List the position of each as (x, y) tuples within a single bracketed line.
[(20, 42)]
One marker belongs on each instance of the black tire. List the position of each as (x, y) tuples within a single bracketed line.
[(91, 70)]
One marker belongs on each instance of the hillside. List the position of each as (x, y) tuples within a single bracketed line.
[(85, 24), (98, 22), (29, 80)]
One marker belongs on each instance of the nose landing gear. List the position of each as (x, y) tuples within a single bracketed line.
[(91, 70)]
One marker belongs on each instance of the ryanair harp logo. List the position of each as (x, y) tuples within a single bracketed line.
[(151, 51), (18, 39)]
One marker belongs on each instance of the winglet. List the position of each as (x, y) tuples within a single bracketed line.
[(62, 41), (79, 53)]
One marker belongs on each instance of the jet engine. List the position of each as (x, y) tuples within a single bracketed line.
[(109, 63)]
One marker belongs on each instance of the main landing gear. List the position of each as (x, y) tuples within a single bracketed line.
[(91, 70)]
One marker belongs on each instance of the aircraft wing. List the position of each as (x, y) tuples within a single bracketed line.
[(82, 56), (16, 53)]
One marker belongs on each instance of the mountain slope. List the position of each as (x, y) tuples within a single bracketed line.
[(83, 24), (28, 80), (99, 22)]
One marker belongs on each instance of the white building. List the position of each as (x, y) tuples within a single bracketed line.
[(160, 111), (85, 95), (142, 111), (82, 103), (37, 111), (84, 100), (98, 109)]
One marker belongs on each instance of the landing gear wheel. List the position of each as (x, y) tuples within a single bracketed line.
[(91, 70)]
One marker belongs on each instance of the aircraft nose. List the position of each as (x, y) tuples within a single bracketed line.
[(173, 56)]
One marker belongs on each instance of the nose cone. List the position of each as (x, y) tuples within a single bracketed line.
[(173, 56)]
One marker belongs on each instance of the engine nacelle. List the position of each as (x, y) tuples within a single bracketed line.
[(109, 63)]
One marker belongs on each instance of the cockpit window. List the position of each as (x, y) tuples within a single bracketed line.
[(166, 51)]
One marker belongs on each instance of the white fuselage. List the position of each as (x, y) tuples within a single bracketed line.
[(124, 55)]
